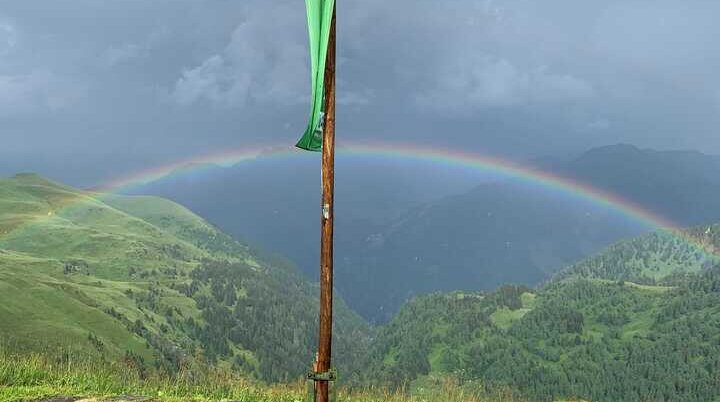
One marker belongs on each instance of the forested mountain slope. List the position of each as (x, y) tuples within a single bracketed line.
[(660, 257), (145, 280), (597, 337), (683, 186)]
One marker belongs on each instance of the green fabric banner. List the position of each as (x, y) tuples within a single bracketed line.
[(319, 15)]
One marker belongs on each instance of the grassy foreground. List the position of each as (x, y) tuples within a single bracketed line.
[(36, 377)]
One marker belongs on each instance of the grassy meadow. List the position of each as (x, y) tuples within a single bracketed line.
[(36, 376)]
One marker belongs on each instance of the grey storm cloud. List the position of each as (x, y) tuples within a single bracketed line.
[(264, 61), (92, 89), (482, 81)]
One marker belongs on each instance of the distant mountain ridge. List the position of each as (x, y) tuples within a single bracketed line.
[(395, 242), (498, 233), (271, 201), (682, 186), (518, 232)]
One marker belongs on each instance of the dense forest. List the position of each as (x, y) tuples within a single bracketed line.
[(261, 312), (577, 337)]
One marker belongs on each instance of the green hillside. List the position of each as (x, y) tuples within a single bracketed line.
[(108, 294), (145, 280), (660, 257), (592, 334)]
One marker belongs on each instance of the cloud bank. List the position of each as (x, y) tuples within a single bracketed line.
[(116, 86)]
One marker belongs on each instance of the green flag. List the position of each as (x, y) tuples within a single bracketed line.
[(319, 15)]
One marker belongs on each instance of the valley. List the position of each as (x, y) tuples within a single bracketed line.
[(401, 235), (144, 281)]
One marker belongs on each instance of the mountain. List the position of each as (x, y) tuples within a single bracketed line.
[(405, 229), (497, 233), (517, 232), (273, 202), (145, 280), (586, 335), (682, 186), (658, 257)]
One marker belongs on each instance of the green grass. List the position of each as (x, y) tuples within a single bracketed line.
[(38, 310), (650, 288), (504, 317), (34, 376), (115, 244), (118, 276)]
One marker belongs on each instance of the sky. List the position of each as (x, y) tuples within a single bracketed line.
[(91, 90)]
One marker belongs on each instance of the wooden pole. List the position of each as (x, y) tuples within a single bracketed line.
[(326, 241)]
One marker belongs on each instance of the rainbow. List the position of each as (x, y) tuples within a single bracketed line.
[(451, 157), (510, 169), (471, 160)]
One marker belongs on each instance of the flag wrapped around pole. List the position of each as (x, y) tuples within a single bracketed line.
[(319, 15)]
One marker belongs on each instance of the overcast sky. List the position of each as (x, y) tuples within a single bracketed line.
[(93, 89)]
